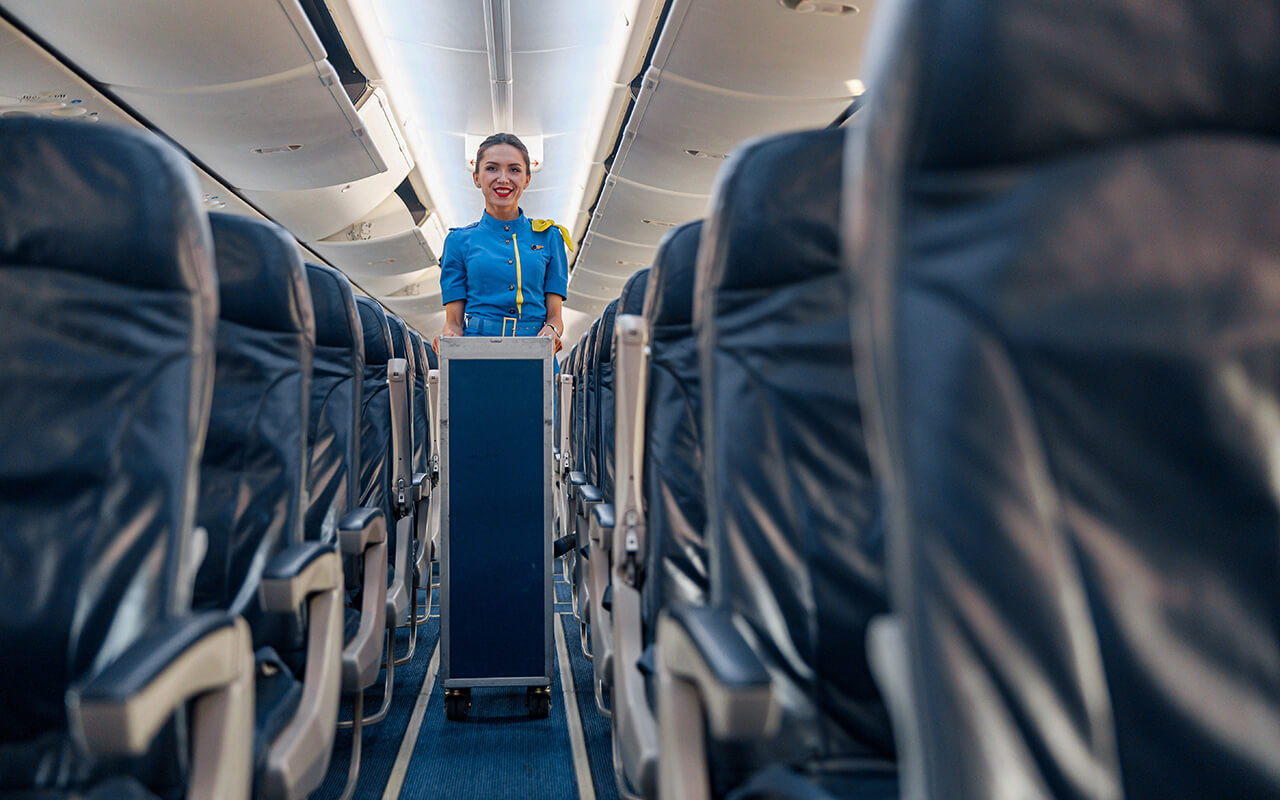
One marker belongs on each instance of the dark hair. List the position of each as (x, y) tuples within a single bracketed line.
[(502, 138)]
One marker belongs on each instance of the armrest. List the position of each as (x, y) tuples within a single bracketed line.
[(587, 494), (299, 572), (602, 521), (578, 478), (421, 486), (310, 574), (364, 530), (360, 529), (207, 658), (701, 645)]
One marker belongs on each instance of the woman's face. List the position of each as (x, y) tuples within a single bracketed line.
[(502, 176)]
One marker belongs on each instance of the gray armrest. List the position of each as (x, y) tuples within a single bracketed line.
[(298, 758), (207, 658), (601, 528), (421, 486), (360, 529), (364, 530), (298, 572), (701, 645), (577, 478), (587, 494)]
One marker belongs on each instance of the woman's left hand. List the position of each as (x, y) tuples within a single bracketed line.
[(548, 330)]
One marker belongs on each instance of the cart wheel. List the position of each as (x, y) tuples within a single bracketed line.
[(457, 702), (538, 700)]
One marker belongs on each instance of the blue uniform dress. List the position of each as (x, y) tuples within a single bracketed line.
[(504, 269)]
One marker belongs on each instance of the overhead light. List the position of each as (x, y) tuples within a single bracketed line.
[(855, 87), (497, 23)]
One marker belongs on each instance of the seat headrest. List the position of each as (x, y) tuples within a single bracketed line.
[(775, 215), (261, 280), (134, 198), (400, 340), (669, 297), (631, 301), (1006, 81), (376, 332), (604, 334), (334, 302)]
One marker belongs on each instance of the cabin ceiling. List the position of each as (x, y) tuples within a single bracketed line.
[(369, 177)]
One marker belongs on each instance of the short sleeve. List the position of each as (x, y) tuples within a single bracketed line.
[(556, 280), (453, 268)]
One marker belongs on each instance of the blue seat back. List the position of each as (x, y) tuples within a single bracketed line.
[(421, 416), (794, 525), (675, 505), (1065, 219), (109, 300), (375, 412), (253, 470), (590, 424), (333, 422), (602, 439)]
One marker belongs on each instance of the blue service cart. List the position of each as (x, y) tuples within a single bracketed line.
[(496, 597)]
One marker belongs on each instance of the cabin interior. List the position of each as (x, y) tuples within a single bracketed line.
[(916, 431)]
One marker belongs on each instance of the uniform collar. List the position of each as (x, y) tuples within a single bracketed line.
[(494, 224)]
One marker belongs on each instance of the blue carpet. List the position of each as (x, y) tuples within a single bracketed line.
[(382, 741), (498, 753), (595, 728)]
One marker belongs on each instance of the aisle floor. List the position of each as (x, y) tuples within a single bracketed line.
[(499, 752)]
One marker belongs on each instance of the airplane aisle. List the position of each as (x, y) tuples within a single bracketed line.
[(499, 751)]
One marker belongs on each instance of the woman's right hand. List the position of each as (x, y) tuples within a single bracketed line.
[(449, 329)]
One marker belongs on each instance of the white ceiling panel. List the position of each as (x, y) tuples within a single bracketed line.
[(379, 287), (723, 71), (224, 80), (765, 49), (603, 254), (317, 213), (624, 207), (165, 43), (295, 131), (403, 254)]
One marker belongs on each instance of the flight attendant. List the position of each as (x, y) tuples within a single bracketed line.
[(505, 275)]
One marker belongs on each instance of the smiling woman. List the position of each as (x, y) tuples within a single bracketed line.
[(504, 275)]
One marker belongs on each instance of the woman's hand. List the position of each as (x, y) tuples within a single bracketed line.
[(550, 330), (450, 329)]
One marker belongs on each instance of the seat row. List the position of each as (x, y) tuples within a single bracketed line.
[(215, 469), (934, 462)]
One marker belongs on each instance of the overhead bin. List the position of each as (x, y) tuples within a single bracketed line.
[(380, 287), (313, 214), (241, 84)]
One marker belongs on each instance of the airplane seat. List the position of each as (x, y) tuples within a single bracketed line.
[(401, 380), (599, 563), (421, 455), (333, 421), (602, 445), (675, 504), (586, 492), (110, 300), (794, 532), (253, 471), (376, 489), (1063, 215), (334, 446)]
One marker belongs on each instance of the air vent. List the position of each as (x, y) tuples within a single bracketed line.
[(214, 202), (705, 154), (282, 148), (824, 8)]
